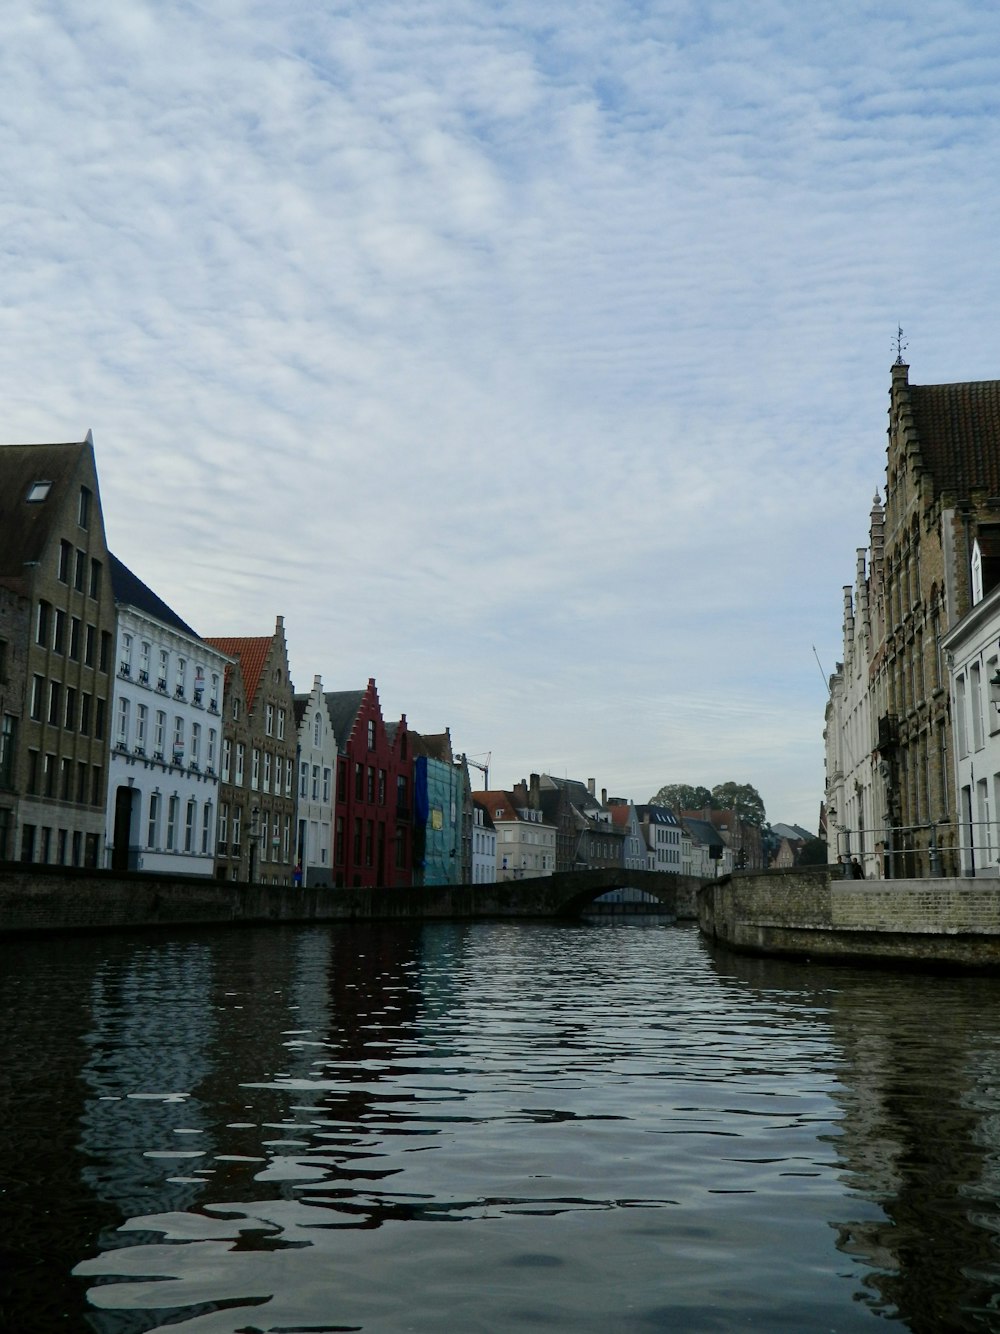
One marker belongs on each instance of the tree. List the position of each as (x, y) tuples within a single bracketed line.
[(743, 798), (814, 853), (683, 797)]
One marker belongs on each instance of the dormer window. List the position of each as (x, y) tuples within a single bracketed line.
[(37, 492)]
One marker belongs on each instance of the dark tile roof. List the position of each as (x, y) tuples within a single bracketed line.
[(958, 426), (25, 526), (131, 591), (435, 745), (343, 707)]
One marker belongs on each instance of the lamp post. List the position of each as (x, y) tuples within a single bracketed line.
[(254, 835)]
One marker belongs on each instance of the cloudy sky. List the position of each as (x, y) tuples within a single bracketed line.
[(530, 358)]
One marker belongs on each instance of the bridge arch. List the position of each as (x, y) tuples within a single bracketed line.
[(572, 892)]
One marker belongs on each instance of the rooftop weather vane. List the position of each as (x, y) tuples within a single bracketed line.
[(900, 346)]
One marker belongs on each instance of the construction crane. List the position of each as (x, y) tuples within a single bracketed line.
[(484, 769)]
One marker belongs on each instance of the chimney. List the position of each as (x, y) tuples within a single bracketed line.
[(536, 795), (520, 794), (591, 787), (604, 796)]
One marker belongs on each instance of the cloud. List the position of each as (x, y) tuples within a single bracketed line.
[(533, 360)]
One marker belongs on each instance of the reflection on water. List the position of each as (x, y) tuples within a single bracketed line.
[(598, 1128)]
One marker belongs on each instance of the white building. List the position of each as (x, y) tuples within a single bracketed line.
[(484, 846), (165, 737), (526, 845), (316, 789), (661, 832), (972, 652), (855, 777)]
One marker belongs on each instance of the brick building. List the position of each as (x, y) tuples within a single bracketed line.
[(942, 492), (373, 819), (256, 834), (59, 623)]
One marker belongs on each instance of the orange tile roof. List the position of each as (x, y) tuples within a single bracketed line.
[(252, 653)]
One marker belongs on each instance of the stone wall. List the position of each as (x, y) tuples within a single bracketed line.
[(50, 898), (811, 913)]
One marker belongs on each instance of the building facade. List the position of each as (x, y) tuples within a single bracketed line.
[(260, 739), (373, 817), (54, 558), (484, 846), (166, 732), (525, 844), (317, 776), (438, 810)]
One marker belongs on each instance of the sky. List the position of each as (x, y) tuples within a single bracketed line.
[(532, 359)]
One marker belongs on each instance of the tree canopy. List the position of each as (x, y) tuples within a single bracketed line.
[(743, 798)]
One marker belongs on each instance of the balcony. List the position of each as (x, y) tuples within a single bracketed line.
[(888, 732)]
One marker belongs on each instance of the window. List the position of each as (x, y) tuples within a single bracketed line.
[(125, 660), (123, 709), (317, 729), (240, 759), (267, 772), (381, 787), (55, 702), (8, 744), (88, 652), (180, 678), (42, 622), (315, 782), (83, 510), (236, 709), (212, 738), (227, 758), (159, 733), (62, 569), (303, 779), (85, 703), (105, 650), (152, 828), (281, 724), (32, 772), (327, 779), (161, 680), (237, 820), (223, 828), (213, 702), (97, 786), (359, 781), (288, 778), (37, 492), (172, 808), (178, 739), (371, 733), (80, 570), (141, 714), (144, 662), (195, 745), (95, 578), (255, 770), (190, 815), (59, 631), (206, 826), (269, 720), (338, 844), (37, 697), (81, 786), (74, 638), (371, 785)]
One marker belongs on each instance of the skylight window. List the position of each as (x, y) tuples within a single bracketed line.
[(38, 491)]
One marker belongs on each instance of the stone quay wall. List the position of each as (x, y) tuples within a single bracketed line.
[(813, 913), (49, 898)]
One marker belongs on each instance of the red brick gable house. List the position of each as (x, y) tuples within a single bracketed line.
[(372, 828)]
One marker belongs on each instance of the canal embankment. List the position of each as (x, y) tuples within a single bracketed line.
[(50, 899), (813, 913)]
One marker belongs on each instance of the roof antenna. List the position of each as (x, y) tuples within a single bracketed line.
[(900, 346)]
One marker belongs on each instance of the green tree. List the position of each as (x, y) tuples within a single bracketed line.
[(813, 853), (743, 798), (683, 797)]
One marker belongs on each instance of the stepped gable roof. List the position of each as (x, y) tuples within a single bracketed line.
[(25, 525), (131, 591), (958, 426), (252, 653), (344, 707)]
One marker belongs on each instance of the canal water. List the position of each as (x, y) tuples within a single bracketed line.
[(490, 1127)]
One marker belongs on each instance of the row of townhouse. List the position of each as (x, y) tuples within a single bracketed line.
[(130, 741), (546, 825), (912, 732)]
